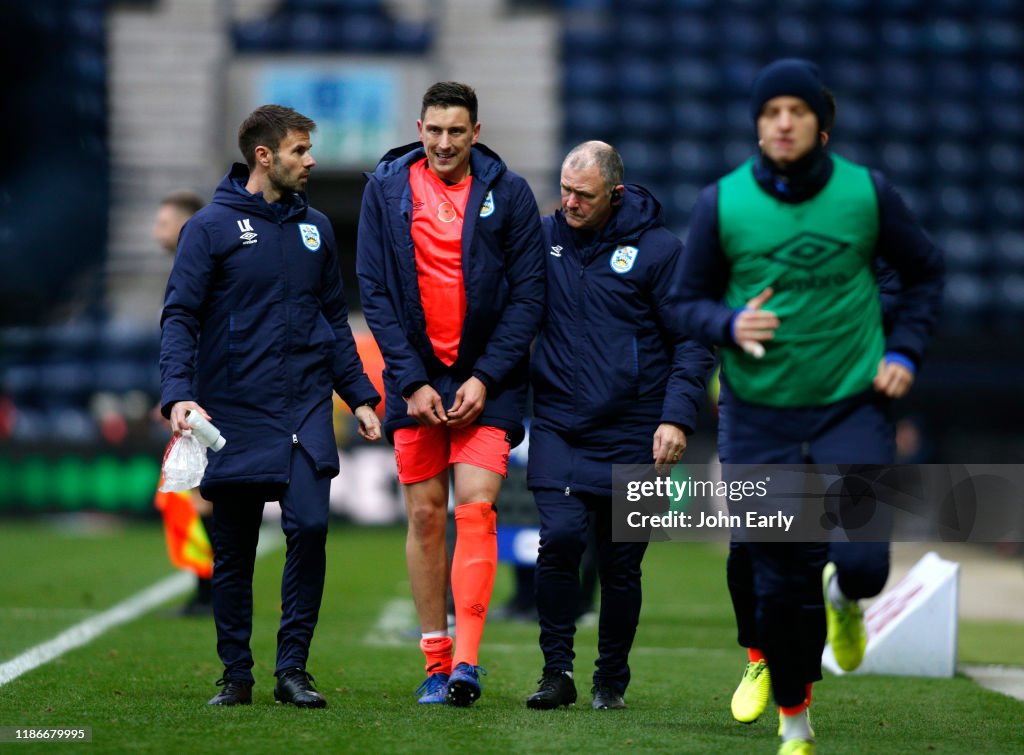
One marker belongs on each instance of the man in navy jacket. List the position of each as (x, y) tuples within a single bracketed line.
[(255, 337), (450, 266), (613, 384)]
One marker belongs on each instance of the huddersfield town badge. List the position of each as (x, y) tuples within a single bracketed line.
[(623, 258), (310, 236), (487, 209)]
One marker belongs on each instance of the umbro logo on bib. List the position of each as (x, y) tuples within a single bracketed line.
[(808, 251)]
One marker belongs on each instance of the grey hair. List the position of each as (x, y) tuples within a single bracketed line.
[(608, 161)]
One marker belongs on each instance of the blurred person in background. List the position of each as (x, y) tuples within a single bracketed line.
[(172, 213), (450, 266), (780, 271), (255, 336), (611, 267)]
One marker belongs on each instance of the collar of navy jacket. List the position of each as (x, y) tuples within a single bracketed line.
[(232, 192), (638, 213)]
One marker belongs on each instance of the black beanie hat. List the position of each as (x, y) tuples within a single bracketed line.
[(790, 77)]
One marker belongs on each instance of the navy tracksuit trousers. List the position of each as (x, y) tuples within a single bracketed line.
[(563, 537), (237, 515), (776, 587)]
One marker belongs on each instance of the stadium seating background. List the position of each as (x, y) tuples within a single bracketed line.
[(929, 91)]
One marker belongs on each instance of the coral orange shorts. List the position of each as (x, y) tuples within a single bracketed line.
[(421, 452)]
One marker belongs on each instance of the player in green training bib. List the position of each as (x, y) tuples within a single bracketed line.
[(781, 271)]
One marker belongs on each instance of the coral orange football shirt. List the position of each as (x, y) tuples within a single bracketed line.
[(437, 215)]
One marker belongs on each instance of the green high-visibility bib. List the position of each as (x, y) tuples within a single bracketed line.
[(818, 258)]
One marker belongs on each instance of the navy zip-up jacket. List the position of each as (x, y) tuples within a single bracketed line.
[(255, 330), (503, 272), (910, 267), (607, 369)]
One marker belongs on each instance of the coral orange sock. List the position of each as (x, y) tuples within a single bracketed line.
[(794, 710), (754, 655), (438, 651), (473, 566)]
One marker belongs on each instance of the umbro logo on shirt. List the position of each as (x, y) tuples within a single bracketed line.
[(556, 251), (248, 234)]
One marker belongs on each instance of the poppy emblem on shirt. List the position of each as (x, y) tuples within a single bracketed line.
[(623, 258), (310, 236), (487, 209), (446, 212)]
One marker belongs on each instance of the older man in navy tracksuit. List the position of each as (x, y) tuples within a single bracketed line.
[(612, 385), (255, 336)]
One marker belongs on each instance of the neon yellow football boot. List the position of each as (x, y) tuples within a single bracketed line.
[(797, 747), (751, 696), (846, 631)]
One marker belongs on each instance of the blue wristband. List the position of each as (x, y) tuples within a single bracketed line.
[(902, 359)]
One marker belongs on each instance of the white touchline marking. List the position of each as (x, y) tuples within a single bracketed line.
[(1005, 679), (86, 631)]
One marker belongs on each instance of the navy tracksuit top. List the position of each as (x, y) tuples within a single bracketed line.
[(503, 273), (607, 368), (255, 330)]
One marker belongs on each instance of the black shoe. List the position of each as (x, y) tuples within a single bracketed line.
[(605, 698), (556, 688), (235, 692), (195, 609), (294, 686)]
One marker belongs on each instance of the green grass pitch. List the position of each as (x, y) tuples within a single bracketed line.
[(142, 687)]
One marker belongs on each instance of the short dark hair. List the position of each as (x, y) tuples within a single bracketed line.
[(185, 200), (448, 94), (268, 125)]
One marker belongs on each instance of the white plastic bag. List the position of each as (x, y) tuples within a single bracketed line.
[(184, 463)]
